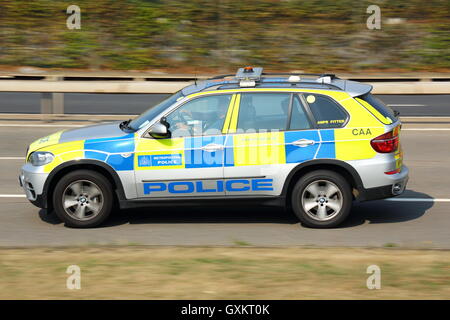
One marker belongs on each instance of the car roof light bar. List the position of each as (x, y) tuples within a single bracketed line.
[(249, 73)]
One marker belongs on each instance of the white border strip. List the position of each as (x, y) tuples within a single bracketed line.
[(44, 125), (12, 158), (418, 199), (12, 196), (425, 129)]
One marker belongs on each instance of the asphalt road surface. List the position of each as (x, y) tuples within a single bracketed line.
[(420, 219), (82, 103)]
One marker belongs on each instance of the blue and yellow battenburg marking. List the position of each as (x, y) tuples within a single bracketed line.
[(122, 153), (129, 152), (239, 150), (117, 152)]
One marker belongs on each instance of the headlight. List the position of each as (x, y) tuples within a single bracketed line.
[(39, 158)]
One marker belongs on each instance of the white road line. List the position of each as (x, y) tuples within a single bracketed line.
[(418, 200), (12, 158), (426, 129), (12, 196), (44, 125), (406, 105), (424, 117)]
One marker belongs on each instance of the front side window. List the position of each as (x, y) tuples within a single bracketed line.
[(263, 111), (327, 113), (200, 116)]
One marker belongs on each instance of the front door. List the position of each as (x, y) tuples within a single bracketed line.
[(190, 163)]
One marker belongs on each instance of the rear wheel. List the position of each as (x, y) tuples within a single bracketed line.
[(83, 199), (321, 199)]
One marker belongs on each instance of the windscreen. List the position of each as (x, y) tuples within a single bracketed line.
[(152, 112)]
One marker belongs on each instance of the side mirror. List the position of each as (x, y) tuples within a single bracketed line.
[(160, 130)]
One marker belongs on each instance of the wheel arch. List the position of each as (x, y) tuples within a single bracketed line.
[(347, 171), (86, 164)]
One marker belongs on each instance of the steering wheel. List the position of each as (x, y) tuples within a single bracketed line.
[(184, 120)]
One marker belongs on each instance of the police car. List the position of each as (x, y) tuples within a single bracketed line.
[(313, 143)]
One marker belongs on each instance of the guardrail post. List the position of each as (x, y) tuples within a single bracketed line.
[(58, 103), (46, 105)]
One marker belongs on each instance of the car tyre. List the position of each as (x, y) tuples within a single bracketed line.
[(83, 199), (321, 199)]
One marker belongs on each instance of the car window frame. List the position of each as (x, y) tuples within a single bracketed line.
[(313, 118), (292, 95), (306, 110), (175, 107)]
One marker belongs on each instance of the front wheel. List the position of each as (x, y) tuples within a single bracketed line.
[(83, 199), (321, 199)]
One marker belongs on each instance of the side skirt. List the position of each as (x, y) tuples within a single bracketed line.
[(228, 201)]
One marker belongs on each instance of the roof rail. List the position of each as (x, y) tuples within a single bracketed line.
[(221, 76), (319, 75), (254, 77)]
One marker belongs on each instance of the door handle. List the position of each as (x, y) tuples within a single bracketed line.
[(212, 147), (303, 143)]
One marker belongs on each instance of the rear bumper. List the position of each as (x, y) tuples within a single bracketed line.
[(396, 186)]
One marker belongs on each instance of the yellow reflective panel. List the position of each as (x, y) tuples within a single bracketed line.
[(65, 152), (45, 141), (359, 117), (354, 143), (235, 114), (259, 148), (226, 124), (155, 154)]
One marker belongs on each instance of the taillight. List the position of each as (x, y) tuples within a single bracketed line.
[(386, 143)]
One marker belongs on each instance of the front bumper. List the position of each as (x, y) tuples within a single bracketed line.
[(32, 180), (397, 185)]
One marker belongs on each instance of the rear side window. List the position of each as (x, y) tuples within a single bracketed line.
[(299, 119), (379, 106), (263, 111), (327, 113)]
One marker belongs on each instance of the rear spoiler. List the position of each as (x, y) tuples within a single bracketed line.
[(353, 88)]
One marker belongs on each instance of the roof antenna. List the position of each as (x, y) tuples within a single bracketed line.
[(195, 75)]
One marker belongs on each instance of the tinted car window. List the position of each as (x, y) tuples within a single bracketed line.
[(327, 113), (299, 119), (263, 111), (201, 116), (380, 106)]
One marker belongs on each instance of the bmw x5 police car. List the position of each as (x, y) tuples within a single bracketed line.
[(311, 143)]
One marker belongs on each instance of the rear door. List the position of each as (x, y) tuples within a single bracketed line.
[(262, 148)]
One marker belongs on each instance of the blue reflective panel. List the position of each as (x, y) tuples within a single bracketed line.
[(111, 145), (299, 154), (327, 147), (229, 152), (195, 157), (120, 163)]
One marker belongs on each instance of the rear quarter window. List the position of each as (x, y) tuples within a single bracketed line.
[(327, 112), (380, 107)]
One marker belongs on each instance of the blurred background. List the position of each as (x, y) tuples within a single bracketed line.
[(128, 55), (208, 36)]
